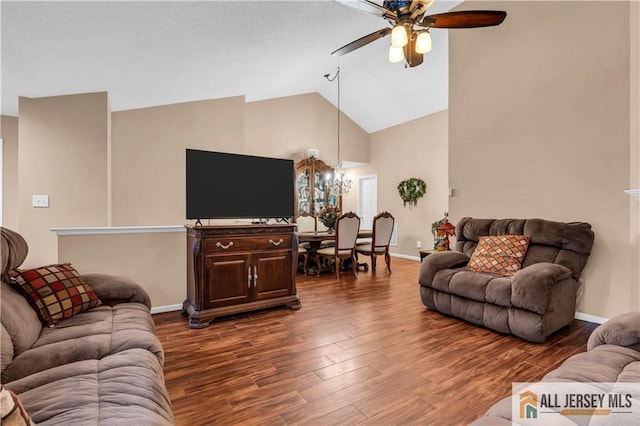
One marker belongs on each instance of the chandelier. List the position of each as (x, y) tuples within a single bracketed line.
[(337, 183)]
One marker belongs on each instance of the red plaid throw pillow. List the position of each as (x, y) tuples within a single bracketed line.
[(55, 291)]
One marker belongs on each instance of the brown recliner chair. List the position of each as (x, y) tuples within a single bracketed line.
[(533, 303)]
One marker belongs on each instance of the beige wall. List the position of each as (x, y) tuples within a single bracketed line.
[(10, 208), (148, 155), (127, 168), (287, 127), (539, 126), (63, 154), (156, 261), (634, 114), (148, 145), (418, 149)]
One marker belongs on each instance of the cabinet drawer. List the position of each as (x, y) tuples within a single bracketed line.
[(237, 244)]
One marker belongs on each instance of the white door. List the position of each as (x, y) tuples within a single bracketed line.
[(367, 200)]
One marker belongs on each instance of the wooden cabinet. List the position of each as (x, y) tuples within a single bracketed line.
[(312, 194), (233, 269)]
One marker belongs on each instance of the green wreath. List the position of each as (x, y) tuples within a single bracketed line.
[(411, 189)]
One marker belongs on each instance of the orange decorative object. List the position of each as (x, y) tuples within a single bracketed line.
[(444, 231)]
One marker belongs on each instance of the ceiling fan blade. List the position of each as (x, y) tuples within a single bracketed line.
[(368, 7), (465, 19), (362, 41)]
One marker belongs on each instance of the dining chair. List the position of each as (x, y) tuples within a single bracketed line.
[(304, 252), (347, 227), (382, 230), (305, 222)]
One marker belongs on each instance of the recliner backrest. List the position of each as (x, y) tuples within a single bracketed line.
[(19, 321), (567, 244)]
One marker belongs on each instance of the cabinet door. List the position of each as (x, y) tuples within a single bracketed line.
[(273, 274), (303, 191), (319, 192), (227, 280)]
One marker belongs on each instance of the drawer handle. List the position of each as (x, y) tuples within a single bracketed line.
[(249, 277), (276, 243), (223, 247), (255, 275)]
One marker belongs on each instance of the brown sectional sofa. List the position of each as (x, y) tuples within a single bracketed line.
[(533, 303), (613, 356), (99, 367)]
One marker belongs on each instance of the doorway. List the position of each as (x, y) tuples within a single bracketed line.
[(367, 200)]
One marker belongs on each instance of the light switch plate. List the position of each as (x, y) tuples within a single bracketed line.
[(41, 201)]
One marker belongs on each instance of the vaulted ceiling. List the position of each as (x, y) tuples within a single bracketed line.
[(154, 53)]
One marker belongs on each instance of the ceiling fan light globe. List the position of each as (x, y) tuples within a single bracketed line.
[(423, 42), (396, 54), (399, 37)]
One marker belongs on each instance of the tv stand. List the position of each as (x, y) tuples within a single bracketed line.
[(233, 269)]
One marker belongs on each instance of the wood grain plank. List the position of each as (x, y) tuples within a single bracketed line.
[(360, 351)]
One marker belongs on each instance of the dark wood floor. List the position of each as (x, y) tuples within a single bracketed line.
[(360, 351)]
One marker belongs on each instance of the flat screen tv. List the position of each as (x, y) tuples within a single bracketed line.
[(222, 185)]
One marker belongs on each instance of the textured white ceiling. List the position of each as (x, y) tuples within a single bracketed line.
[(153, 53)]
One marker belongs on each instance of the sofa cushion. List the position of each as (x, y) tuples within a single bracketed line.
[(113, 288), (622, 330), (499, 254), (124, 388), (13, 250), (498, 291), (12, 412), (18, 318), (6, 348), (605, 363), (94, 334), (469, 284), (55, 291)]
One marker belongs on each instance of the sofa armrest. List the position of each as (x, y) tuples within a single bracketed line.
[(531, 286), (113, 287), (621, 330), (438, 261)]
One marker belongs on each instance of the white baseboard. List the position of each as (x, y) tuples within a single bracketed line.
[(166, 308), (405, 256), (590, 318)]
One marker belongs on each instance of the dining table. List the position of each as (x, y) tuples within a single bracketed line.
[(316, 238)]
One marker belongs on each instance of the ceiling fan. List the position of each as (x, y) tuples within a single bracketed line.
[(410, 38)]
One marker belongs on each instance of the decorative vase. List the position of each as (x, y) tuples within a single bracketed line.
[(330, 224)]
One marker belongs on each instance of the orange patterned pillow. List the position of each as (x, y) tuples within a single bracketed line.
[(55, 291), (499, 254)]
